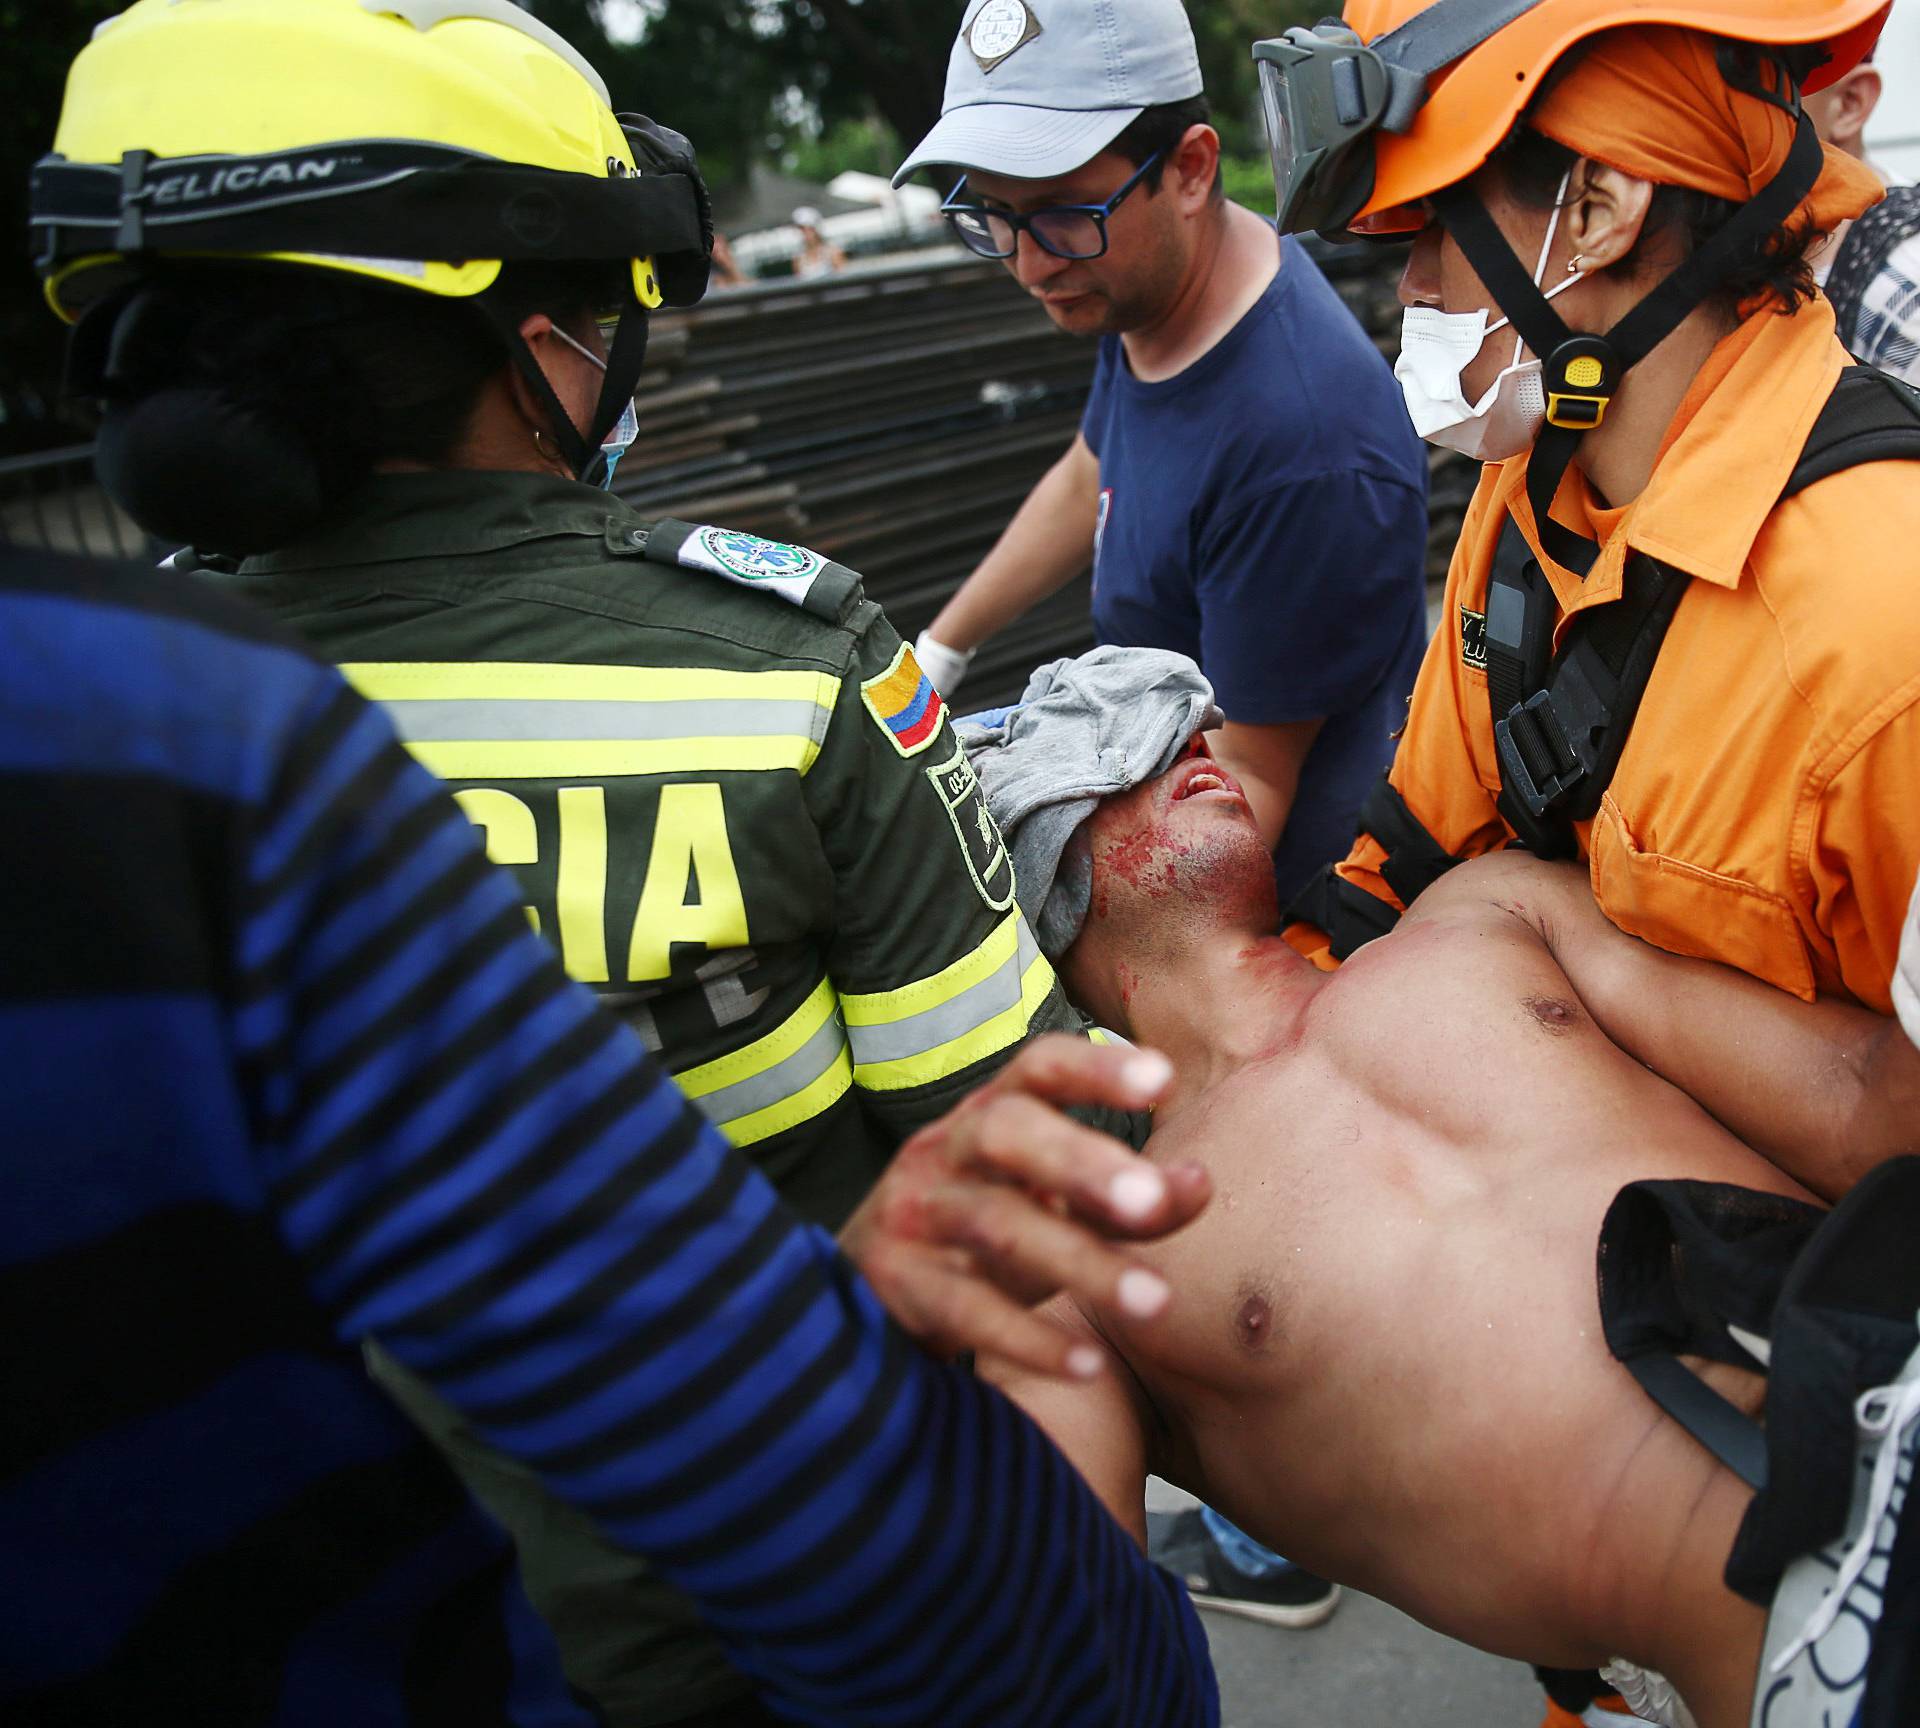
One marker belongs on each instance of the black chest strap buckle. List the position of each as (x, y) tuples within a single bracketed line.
[(1561, 717)]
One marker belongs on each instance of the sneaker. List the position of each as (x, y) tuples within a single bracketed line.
[(1294, 1597)]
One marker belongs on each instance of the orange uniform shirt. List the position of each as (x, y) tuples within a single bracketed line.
[(1766, 809)]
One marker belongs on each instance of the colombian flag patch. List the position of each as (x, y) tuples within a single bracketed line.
[(905, 703)]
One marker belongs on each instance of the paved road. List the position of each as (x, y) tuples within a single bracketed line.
[(1367, 1667)]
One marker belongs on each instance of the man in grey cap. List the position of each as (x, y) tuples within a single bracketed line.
[(1245, 481)]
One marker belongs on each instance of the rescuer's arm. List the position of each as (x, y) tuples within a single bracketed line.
[(1434, 769), (1100, 1424), (477, 1166), (1824, 1089), (938, 975), (1862, 855), (1266, 760), (1047, 544)]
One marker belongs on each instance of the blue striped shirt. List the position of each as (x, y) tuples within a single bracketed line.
[(287, 1070)]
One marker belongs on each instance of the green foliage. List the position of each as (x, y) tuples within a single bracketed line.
[(1249, 181), (1224, 31), (702, 67), (748, 80), (866, 146), (800, 80)]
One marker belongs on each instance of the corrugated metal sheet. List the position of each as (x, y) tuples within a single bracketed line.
[(894, 417)]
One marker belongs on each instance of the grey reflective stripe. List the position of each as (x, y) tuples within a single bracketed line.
[(786, 1077), (953, 1018), (450, 720)]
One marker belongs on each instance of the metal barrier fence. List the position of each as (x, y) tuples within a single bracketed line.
[(51, 500), (892, 417)]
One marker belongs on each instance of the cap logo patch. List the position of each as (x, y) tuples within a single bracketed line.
[(998, 29)]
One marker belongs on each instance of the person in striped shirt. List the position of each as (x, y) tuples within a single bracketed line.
[(733, 802), (287, 1071)]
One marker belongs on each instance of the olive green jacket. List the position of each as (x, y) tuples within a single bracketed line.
[(739, 811)]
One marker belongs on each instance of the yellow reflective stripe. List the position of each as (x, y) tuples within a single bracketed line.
[(989, 1038), (780, 1080), (608, 758), (926, 1031), (878, 1007), (536, 681), (508, 720)]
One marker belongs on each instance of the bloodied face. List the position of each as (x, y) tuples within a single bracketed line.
[(1174, 860)]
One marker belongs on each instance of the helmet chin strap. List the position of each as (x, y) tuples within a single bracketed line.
[(1581, 372), (625, 360)]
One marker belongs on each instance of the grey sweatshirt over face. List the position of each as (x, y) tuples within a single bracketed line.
[(1084, 729)]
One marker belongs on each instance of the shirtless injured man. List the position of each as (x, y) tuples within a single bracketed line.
[(1391, 1357)]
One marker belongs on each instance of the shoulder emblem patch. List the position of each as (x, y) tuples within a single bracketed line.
[(986, 852), (906, 705), (789, 571)]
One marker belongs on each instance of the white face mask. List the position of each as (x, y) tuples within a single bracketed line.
[(625, 430), (1436, 347)]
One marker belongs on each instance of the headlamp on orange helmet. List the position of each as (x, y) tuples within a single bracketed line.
[(1371, 113), (1389, 114), (1326, 93)]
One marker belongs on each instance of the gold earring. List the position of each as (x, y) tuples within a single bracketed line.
[(1576, 263)]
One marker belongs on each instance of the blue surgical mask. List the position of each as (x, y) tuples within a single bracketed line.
[(625, 430)]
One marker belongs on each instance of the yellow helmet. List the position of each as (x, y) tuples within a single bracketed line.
[(421, 143)]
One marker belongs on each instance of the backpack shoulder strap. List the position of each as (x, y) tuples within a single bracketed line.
[(1870, 417), (1559, 726)]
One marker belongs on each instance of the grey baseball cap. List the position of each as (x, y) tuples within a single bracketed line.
[(1037, 87)]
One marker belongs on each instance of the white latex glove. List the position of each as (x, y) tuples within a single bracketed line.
[(945, 666)]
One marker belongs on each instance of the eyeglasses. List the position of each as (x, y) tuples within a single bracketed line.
[(1065, 230)]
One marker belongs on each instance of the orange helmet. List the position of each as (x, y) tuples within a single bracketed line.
[(1393, 108), (1403, 97)]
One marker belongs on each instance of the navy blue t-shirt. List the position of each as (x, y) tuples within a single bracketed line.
[(1264, 511)]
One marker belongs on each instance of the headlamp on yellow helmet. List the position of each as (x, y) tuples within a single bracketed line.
[(419, 142), (423, 144)]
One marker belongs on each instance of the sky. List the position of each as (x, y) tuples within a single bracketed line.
[(625, 21)]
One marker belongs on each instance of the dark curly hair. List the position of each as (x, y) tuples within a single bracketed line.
[(1161, 127), (244, 401), (1773, 266)]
